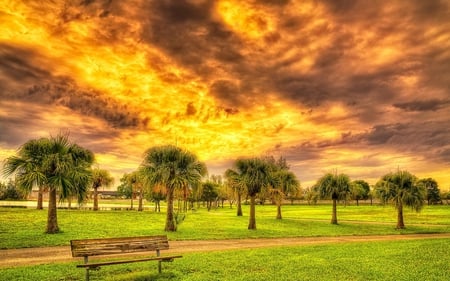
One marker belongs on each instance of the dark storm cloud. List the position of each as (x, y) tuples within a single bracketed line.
[(423, 11), (445, 154), (87, 102), (189, 33), (425, 105), (420, 138), (381, 134), (431, 138), (16, 64), (226, 90), (273, 2), (23, 79), (17, 128)]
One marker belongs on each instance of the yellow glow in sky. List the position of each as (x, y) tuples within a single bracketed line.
[(351, 87)]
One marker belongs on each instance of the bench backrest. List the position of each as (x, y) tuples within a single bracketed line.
[(110, 246)]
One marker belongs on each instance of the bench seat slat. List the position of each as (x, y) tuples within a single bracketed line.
[(127, 261), (111, 246)]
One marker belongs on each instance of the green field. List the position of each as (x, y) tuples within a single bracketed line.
[(388, 260), (25, 227), (393, 260)]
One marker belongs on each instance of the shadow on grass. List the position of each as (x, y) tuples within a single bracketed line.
[(145, 276)]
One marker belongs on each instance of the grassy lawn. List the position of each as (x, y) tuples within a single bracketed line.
[(24, 227), (389, 260)]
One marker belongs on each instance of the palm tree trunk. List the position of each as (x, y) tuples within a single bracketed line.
[(252, 221), (170, 224), (95, 199), (279, 217), (141, 206), (40, 198), (131, 203), (52, 220), (400, 222), (185, 196), (334, 215), (239, 206)]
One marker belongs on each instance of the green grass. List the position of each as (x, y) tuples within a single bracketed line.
[(388, 260), (25, 227)]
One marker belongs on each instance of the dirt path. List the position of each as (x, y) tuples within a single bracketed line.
[(34, 256)]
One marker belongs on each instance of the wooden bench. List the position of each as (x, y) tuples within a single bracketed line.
[(114, 246)]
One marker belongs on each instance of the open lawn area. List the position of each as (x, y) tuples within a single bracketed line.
[(424, 259), (25, 227), (389, 260)]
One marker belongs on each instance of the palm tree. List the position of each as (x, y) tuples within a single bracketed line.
[(402, 189), (136, 179), (335, 186), (56, 163), (254, 175), (285, 183), (175, 169), (234, 179), (100, 178), (27, 164)]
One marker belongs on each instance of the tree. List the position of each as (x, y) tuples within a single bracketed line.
[(402, 189), (336, 187), (27, 166), (446, 196), (100, 178), (125, 189), (222, 189), (312, 195), (360, 190), (156, 194), (175, 169), (254, 174), (137, 180), (10, 191), (57, 163), (282, 182), (433, 192), (236, 182), (210, 192)]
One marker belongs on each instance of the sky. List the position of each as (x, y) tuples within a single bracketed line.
[(354, 87)]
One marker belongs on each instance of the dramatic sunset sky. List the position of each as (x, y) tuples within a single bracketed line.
[(358, 87)]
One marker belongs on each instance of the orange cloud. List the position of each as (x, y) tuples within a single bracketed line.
[(358, 86)]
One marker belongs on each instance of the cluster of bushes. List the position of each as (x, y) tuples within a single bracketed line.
[(10, 191)]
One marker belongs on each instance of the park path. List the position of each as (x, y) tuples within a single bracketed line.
[(35, 256)]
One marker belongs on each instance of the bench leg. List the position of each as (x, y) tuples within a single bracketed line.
[(87, 268), (158, 254)]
